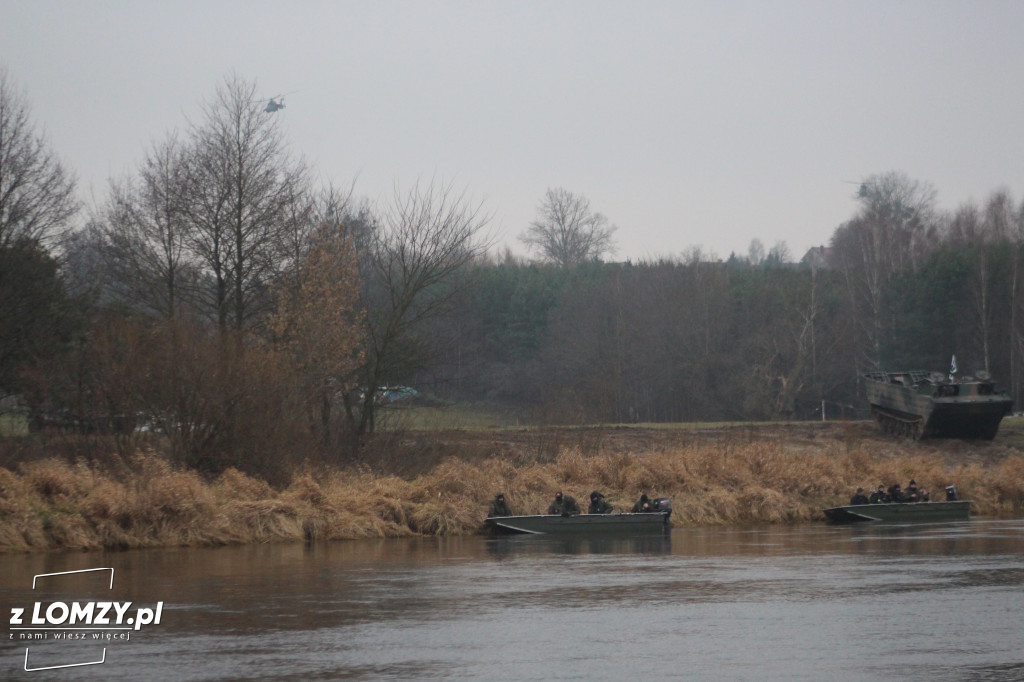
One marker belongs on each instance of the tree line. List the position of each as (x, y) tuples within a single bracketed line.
[(220, 299), (217, 297), (901, 285)]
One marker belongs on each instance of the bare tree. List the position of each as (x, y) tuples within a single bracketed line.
[(414, 264), (968, 232), (146, 232), (303, 230), (37, 196), (243, 191), (786, 346), (779, 253), (567, 231), (755, 252), (898, 216), (319, 323), (988, 235), (891, 233)]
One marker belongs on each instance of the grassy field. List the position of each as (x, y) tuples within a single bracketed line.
[(13, 425), (401, 417), (440, 417), (439, 481)]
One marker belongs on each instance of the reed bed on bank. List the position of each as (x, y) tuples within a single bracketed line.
[(52, 504)]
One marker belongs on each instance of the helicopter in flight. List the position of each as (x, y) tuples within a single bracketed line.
[(275, 104)]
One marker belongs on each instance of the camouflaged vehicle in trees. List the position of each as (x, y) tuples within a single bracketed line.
[(920, 404)]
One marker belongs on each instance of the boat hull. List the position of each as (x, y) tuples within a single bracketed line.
[(901, 512), (580, 524)]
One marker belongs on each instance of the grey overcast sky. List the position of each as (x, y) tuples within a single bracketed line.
[(686, 123)]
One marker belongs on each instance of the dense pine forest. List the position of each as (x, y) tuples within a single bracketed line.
[(221, 304)]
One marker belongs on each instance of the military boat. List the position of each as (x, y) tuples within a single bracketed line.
[(919, 404), (901, 512), (644, 523)]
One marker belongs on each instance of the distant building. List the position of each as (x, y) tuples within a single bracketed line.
[(818, 257)]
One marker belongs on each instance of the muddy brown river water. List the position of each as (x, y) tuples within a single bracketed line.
[(807, 602)]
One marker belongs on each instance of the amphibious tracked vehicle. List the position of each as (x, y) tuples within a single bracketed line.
[(919, 404)]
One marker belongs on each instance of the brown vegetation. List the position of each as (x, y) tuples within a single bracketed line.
[(778, 474)]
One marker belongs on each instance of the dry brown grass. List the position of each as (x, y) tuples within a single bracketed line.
[(48, 504)]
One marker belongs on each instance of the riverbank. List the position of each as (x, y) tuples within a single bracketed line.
[(725, 475)]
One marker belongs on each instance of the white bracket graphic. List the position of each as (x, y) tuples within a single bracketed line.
[(84, 570), (69, 665)]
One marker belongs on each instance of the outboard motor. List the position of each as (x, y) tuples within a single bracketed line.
[(951, 493), (662, 504)]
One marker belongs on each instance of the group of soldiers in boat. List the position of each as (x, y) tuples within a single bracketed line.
[(893, 493), (564, 505)]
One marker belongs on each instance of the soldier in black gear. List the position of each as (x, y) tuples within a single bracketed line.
[(499, 507), (564, 505), (879, 496), (859, 497), (643, 505), (599, 505)]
